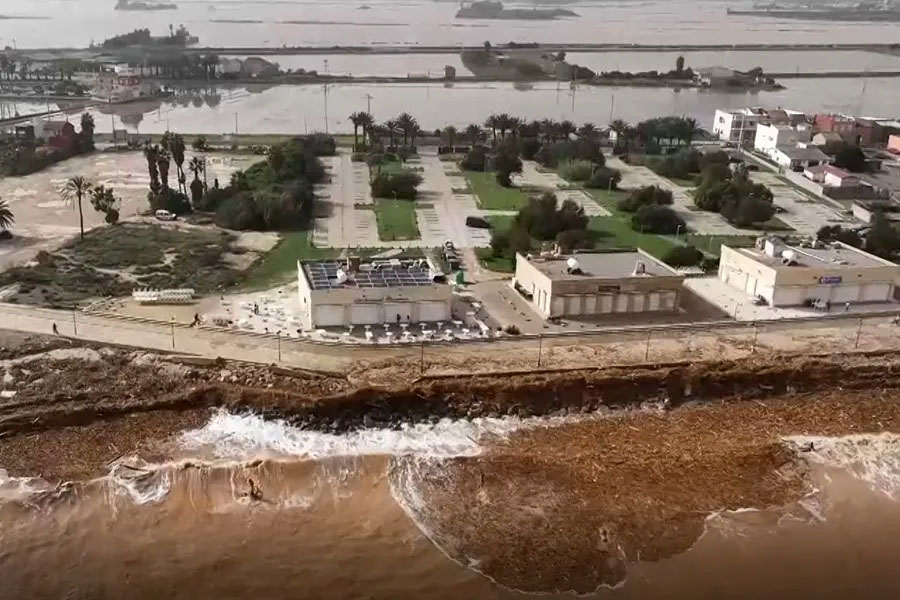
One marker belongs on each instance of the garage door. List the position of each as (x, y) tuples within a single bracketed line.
[(736, 280), (404, 309), (328, 315), (605, 303), (667, 301), (876, 292), (621, 303), (573, 305), (792, 295), (653, 301), (365, 314), (433, 311), (846, 293), (638, 302)]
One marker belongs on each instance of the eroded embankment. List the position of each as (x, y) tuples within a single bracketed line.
[(100, 403)]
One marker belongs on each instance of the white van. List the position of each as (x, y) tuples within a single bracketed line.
[(164, 215)]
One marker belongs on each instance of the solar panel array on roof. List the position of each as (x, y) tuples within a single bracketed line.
[(323, 276)]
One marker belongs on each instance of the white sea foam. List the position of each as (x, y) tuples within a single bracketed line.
[(142, 484), (873, 458), (17, 488), (229, 436)]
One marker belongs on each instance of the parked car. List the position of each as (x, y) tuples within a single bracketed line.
[(477, 222), (164, 215)]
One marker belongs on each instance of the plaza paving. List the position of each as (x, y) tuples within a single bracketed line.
[(802, 213)]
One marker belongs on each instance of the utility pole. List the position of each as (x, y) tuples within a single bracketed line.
[(647, 347), (369, 98), (278, 334), (74, 324), (422, 358), (235, 123)]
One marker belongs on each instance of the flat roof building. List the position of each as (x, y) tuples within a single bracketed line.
[(341, 293), (590, 284), (796, 275)]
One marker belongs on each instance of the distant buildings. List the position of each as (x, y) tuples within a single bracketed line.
[(122, 84), (818, 274), (591, 284)]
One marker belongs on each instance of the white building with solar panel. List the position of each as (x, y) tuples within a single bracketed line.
[(347, 292)]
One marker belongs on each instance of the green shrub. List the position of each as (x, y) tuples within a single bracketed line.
[(475, 160), (683, 256), (400, 185), (655, 218), (171, 200), (650, 195), (604, 178), (543, 219), (211, 200), (576, 169)]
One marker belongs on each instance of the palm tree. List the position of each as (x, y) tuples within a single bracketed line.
[(87, 130), (474, 132), (162, 163), (623, 130), (354, 118), (588, 131), (492, 123), (407, 124), (366, 122), (75, 189), (450, 133), (6, 216), (689, 129), (392, 129), (151, 153), (177, 148), (197, 166)]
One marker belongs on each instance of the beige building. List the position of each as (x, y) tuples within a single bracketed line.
[(348, 292), (589, 284), (793, 276)]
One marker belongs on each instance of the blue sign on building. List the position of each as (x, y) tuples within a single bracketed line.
[(831, 279)]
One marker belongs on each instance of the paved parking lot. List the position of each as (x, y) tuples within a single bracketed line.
[(698, 221), (802, 213), (531, 176), (343, 221)]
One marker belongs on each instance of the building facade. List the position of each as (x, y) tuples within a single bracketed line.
[(794, 276), (735, 126), (592, 284), (347, 293)]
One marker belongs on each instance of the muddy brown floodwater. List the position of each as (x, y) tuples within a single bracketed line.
[(738, 479)]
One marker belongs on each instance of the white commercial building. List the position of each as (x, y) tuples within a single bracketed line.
[(794, 276), (590, 284), (342, 293), (736, 126)]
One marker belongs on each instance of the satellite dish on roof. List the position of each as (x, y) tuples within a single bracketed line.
[(572, 262), (340, 277)]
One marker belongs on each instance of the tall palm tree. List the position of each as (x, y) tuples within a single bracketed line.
[(162, 163), (450, 133), (689, 129), (407, 124), (392, 128), (492, 123), (6, 216), (473, 133), (177, 148), (76, 188), (366, 122), (354, 118), (567, 128), (151, 153)]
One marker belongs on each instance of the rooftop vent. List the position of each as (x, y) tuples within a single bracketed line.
[(572, 266), (639, 269)]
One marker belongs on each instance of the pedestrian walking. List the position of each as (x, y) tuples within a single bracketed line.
[(55, 330)]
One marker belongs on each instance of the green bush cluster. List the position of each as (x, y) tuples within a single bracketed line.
[(734, 195), (401, 185), (650, 195), (576, 169)]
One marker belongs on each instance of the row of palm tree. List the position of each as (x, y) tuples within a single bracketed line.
[(682, 129), (404, 126)]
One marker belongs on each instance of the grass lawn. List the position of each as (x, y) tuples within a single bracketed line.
[(615, 232), (492, 263), (280, 264), (491, 195), (712, 244), (396, 219)]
